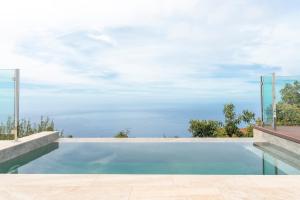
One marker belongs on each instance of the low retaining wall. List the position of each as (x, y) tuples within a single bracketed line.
[(12, 149), (266, 137)]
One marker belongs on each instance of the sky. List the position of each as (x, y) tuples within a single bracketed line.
[(86, 53)]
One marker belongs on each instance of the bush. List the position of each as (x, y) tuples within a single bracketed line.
[(221, 133), (290, 94), (249, 130), (26, 127), (210, 128), (122, 134), (288, 114), (258, 122), (7, 136), (231, 121), (204, 128), (288, 109)]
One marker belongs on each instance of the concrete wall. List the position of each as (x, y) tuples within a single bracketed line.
[(263, 137), (12, 149)]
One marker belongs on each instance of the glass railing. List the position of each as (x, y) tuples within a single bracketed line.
[(7, 102), (280, 100), (267, 99)]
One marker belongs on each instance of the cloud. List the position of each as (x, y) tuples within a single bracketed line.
[(168, 50), (103, 38)]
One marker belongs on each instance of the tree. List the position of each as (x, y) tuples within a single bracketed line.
[(288, 114), (290, 94), (204, 128), (288, 110), (231, 121), (210, 128), (248, 116)]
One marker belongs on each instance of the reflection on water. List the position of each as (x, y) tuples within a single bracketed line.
[(12, 166), (156, 158)]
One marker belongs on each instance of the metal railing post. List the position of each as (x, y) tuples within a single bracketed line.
[(262, 100), (17, 100), (274, 100)]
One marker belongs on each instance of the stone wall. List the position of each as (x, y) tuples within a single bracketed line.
[(263, 137), (12, 149)]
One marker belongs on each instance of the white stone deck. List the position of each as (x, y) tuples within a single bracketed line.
[(149, 187)]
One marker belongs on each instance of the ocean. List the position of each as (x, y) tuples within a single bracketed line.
[(141, 122)]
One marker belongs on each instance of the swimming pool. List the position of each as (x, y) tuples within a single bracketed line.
[(154, 158)]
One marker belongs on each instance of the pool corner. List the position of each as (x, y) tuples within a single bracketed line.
[(13, 149)]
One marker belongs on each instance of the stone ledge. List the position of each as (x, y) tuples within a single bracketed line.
[(13, 149), (261, 137), (164, 140), (284, 132)]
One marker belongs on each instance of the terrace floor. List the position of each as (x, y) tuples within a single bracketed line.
[(291, 133), (152, 187)]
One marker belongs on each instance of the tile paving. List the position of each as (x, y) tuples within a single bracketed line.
[(152, 187)]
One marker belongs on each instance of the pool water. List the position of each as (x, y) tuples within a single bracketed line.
[(152, 158)]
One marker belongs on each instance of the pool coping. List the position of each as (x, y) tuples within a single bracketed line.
[(262, 136), (145, 140), (281, 134), (11, 149)]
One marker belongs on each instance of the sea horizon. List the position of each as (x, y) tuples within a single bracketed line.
[(142, 121)]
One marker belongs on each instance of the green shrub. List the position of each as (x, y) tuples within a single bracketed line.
[(211, 128), (232, 121), (221, 133), (204, 128), (288, 109), (5, 128), (122, 134), (290, 94), (26, 127), (7, 137), (258, 122), (247, 117), (249, 130), (288, 114)]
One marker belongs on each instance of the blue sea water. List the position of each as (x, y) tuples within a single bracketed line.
[(141, 122)]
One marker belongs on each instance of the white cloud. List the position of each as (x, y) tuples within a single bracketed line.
[(103, 38), (168, 48)]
